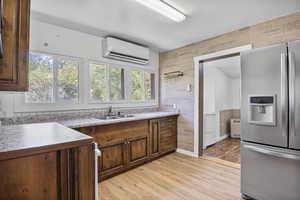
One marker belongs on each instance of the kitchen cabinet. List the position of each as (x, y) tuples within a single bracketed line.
[(163, 135), (137, 150), (46, 161), (167, 134), (113, 159), (15, 40), (154, 137), (129, 144)]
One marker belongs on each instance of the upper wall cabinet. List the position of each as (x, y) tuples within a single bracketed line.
[(15, 40)]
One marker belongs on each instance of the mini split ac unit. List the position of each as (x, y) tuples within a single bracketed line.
[(117, 49)]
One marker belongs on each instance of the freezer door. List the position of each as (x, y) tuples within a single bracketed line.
[(264, 89), (294, 90), (269, 172)]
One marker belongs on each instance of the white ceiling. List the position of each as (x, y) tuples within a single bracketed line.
[(230, 66), (133, 21)]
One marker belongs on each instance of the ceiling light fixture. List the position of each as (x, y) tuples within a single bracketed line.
[(164, 8)]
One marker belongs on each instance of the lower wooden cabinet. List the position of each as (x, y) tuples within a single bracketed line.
[(167, 134), (57, 175), (163, 135), (137, 150), (129, 144), (113, 159)]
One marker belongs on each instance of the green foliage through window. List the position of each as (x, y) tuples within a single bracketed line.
[(99, 90), (52, 79), (137, 85), (116, 76)]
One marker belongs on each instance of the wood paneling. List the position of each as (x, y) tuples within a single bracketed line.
[(174, 91), (175, 177), (14, 65)]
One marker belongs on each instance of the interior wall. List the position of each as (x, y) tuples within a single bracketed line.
[(52, 39), (221, 96), (236, 93), (279, 30)]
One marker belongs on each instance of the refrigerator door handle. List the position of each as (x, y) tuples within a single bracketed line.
[(292, 92), (272, 153), (284, 95)]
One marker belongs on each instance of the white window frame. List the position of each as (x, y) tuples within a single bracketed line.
[(84, 90), (55, 83)]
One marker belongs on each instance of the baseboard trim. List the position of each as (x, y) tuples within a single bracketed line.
[(185, 152), (222, 138), (219, 139)]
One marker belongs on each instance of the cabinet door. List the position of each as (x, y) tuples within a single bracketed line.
[(154, 137), (167, 135), (137, 150), (32, 177), (113, 159), (15, 36)]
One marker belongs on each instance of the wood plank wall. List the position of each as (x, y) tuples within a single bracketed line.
[(174, 91)]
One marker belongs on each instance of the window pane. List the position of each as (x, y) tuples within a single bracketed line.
[(40, 79), (149, 86), (137, 85), (98, 90), (116, 76), (67, 80)]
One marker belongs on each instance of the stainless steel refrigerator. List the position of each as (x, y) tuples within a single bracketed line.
[(270, 122)]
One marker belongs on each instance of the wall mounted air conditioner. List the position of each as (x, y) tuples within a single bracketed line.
[(117, 49)]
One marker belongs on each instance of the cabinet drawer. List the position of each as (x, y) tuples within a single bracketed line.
[(167, 134), (168, 122)]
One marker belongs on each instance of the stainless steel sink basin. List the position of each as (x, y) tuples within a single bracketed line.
[(115, 117)]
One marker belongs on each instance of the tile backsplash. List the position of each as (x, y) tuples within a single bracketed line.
[(39, 117)]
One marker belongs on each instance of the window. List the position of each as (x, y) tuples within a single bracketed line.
[(67, 79), (116, 77), (98, 82), (143, 85), (149, 86), (67, 83), (52, 79), (137, 85), (107, 83)]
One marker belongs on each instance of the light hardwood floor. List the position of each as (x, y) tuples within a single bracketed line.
[(175, 177)]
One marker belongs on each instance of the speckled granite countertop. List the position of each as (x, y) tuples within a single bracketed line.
[(31, 138), (78, 123)]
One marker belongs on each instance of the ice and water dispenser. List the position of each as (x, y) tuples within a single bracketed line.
[(262, 110)]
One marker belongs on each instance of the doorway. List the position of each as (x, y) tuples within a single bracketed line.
[(199, 92), (221, 108)]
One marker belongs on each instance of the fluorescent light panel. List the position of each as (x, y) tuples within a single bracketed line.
[(164, 9)]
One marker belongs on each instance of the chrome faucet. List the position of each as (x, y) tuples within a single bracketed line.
[(110, 112)]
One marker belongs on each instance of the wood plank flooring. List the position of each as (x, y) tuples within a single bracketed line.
[(228, 149), (175, 177)]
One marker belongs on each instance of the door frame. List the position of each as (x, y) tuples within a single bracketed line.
[(199, 91)]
